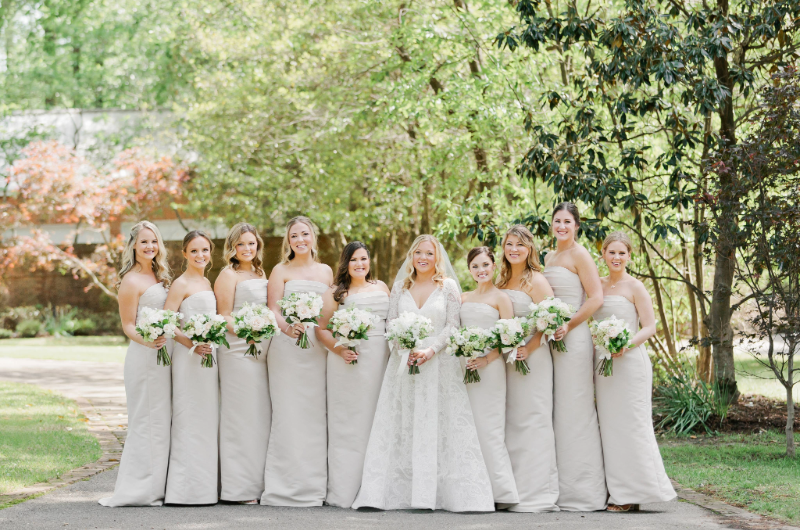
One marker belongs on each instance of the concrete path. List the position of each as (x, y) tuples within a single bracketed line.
[(101, 386)]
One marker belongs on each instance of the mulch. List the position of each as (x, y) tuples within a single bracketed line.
[(753, 414)]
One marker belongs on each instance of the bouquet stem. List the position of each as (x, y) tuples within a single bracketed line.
[(162, 358), (413, 369), (522, 367), (605, 367), (302, 341), (354, 361), (252, 350), (472, 376), (558, 345), (207, 360)]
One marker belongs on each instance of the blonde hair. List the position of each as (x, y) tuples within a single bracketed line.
[(128, 258), (531, 264), (229, 250), (439, 275), (287, 254), (622, 237)]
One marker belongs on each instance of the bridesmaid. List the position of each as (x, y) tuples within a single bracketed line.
[(296, 468), (573, 275), (353, 389), (482, 308), (634, 471), (193, 460), (245, 409), (529, 398), (144, 277)]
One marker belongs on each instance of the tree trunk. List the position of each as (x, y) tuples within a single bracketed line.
[(790, 452)]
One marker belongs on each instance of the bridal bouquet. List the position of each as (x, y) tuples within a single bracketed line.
[(407, 330), (206, 329), (350, 326), (153, 323), (609, 336), (302, 307), (508, 335), (254, 322), (469, 343), (549, 315)]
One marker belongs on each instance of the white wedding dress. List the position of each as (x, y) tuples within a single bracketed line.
[(423, 451)]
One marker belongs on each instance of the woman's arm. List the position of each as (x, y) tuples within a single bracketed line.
[(225, 292), (324, 335), (128, 308), (590, 279), (647, 316), (275, 290), (177, 293), (538, 290), (453, 312)]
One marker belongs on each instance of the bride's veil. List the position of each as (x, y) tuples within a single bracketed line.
[(402, 274)]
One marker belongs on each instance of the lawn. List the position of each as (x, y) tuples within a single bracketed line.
[(42, 435), (755, 378), (97, 349), (749, 471)]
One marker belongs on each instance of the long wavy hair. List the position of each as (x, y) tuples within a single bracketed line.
[(440, 272), (531, 264), (229, 250), (287, 254), (343, 278), (191, 236), (128, 259)]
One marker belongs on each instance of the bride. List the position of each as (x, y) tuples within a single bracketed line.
[(423, 450)]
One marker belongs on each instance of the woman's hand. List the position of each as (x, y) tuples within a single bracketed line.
[(157, 344), (294, 330), (522, 352), (477, 362), (203, 349), (420, 357), (622, 352), (348, 355), (562, 331)]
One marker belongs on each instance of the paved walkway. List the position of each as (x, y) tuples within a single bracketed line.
[(100, 386)]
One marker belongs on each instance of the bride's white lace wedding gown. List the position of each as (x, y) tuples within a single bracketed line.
[(423, 449)]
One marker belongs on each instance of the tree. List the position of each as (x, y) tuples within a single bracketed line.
[(648, 89), (767, 165), (50, 183)]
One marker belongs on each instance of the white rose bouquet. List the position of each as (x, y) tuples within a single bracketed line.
[(302, 307), (153, 323), (350, 326), (509, 334), (609, 336), (206, 329), (469, 343), (549, 315), (254, 322), (406, 331)]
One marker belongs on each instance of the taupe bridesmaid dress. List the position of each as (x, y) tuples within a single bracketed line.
[(148, 389), (529, 424), (193, 476), (634, 470), (488, 401), (296, 471), (245, 408), (352, 399), (581, 479)]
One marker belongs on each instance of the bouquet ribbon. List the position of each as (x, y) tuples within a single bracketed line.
[(404, 355), (512, 354), (350, 343), (547, 338), (196, 344)]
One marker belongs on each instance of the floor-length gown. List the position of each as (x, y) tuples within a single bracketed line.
[(193, 476), (634, 470), (488, 400), (142, 472), (581, 479), (245, 409), (423, 451), (296, 471), (353, 391), (529, 424)]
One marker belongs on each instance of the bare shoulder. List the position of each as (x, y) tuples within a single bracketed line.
[(278, 273), (539, 288), (383, 287), (131, 285), (639, 289), (328, 272)]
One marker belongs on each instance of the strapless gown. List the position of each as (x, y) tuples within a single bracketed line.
[(142, 472), (529, 424), (193, 476), (296, 471), (488, 401), (634, 470), (352, 398), (245, 409), (581, 479)]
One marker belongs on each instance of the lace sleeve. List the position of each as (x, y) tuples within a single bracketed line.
[(394, 303), (453, 301)]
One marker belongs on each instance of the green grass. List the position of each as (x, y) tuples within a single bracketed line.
[(97, 349), (42, 435), (749, 471), (754, 378)]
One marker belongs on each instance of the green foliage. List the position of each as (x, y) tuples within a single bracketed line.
[(6, 333), (106, 349), (686, 404), (29, 328)]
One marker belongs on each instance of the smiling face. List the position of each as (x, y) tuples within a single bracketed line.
[(301, 238), (198, 253), (514, 250), (424, 258), (564, 226), (482, 268), (616, 255), (358, 266), (246, 247), (146, 246)]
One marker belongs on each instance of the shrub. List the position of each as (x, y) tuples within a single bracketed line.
[(10, 318), (5, 333), (81, 326), (29, 328)]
